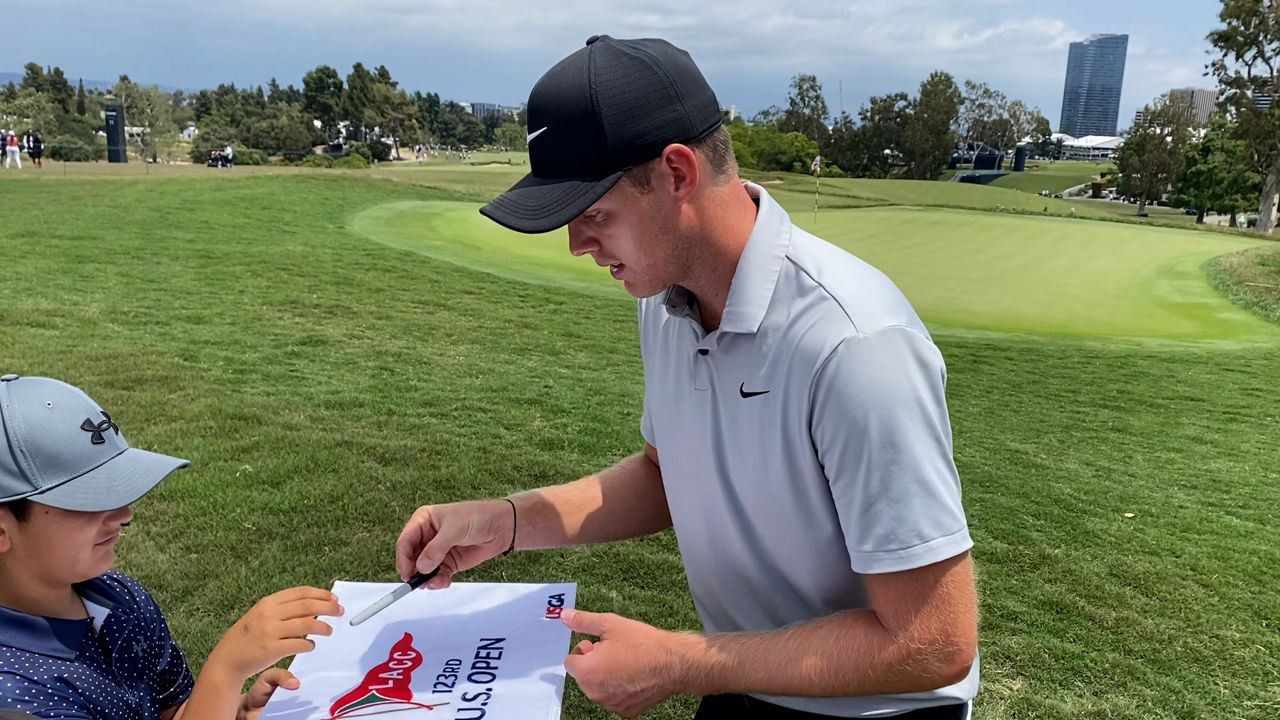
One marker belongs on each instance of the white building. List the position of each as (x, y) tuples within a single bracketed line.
[(1089, 147)]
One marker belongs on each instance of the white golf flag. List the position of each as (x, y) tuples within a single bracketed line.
[(472, 651)]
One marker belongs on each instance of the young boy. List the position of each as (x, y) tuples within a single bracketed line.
[(79, 642)]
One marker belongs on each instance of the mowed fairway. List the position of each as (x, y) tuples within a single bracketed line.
[(325, 385), (963, 270)]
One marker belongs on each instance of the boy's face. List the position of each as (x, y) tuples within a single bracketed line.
[(61, 546)]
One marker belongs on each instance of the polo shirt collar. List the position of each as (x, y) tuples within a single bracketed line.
[(757, 273), (55, 637)]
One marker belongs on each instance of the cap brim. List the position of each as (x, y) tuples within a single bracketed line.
[(120, 481), (538, 205)]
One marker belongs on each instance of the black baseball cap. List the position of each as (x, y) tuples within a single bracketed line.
[(605, 109)]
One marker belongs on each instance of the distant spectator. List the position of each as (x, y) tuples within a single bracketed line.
[(12, 151), (35, 147), (230, 155)]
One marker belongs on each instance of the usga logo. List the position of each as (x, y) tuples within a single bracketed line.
[(555, 605)]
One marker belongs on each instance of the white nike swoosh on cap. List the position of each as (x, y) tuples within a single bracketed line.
[(535, 134)]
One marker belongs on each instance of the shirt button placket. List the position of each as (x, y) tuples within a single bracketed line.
[(702, 369)]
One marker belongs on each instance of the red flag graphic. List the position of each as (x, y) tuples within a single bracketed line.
[(386, 683)]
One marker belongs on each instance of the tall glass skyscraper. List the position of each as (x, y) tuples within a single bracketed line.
[(1091, 94)]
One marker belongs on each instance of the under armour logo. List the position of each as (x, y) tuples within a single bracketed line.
[(98, 429)]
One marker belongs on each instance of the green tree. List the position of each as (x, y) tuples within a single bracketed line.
[(290, 94), (988, 117), (471, 132), (928, 141), (770, 116), (358, 100), (1216, 175), (491, 121), (283, 129), (125, 93), (322, 96), (510, 136), (82, 102), (877, 143), (1152, 154), (768, 148), (397, 114), (28, 108), (1248, 68), (59, 89), (428, 111), (151, 109), (806, 111), (33, 77), (1042, 134), (214, 135)]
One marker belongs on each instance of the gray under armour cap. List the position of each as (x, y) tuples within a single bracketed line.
[(58, 448)]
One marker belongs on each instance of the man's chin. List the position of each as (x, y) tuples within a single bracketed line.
[(641, 290)]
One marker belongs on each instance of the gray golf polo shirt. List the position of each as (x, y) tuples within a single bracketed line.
[(804, 444)]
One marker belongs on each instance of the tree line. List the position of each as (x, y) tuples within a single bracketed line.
[(1233, 165), (1224, 168), (894, 135), (366, 106)]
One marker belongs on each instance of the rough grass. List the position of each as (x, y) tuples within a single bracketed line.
[(1249, 278), (325, 385)]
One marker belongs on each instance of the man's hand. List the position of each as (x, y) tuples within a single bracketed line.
[(256, 699), (631, 668), (273, 629), (453, 537)]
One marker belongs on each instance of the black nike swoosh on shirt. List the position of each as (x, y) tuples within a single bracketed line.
[(750, 393)]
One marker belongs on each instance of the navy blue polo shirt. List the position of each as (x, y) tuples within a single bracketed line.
[(119, 664)]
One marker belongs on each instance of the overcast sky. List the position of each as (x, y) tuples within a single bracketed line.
[(494, 50)]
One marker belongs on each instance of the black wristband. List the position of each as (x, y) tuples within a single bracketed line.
[(513, 528)]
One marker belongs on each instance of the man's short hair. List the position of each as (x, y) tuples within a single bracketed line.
[(717, 148), (20, 509)]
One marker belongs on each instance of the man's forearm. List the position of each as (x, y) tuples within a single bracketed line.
[(839, 655), (624, 501)]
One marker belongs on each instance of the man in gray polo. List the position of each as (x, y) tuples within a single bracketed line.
[(795, 426)]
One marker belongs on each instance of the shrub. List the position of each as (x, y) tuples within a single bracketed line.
[(374, 151), (352, 162), (249, 156), (320, 161), (381, 151), (359, 150), (70, 149)]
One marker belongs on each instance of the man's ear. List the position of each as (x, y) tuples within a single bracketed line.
[(681, 171), (7, 523)]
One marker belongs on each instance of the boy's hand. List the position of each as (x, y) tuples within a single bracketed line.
[(273, 629), (256, 699)]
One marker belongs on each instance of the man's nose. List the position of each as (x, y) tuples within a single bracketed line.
[(581, 241)]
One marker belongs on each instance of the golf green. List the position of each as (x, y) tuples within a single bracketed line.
[(965, 271)]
